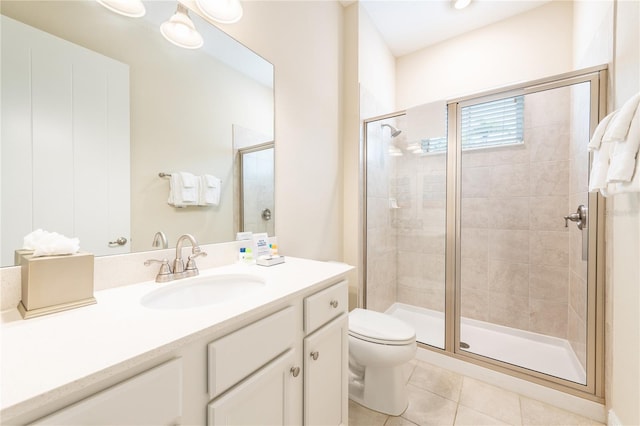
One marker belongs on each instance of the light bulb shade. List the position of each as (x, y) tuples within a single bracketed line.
[(179, 30), (223, 11), (130, 8)]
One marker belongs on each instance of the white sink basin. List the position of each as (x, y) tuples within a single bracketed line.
[(202, 291)]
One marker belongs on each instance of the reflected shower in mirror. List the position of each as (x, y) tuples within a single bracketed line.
[(177, 111), (256, 181)]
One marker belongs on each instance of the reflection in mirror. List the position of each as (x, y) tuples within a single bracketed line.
[(257, 188), (164, 109)]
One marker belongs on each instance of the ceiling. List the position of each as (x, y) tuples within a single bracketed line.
[(408, 26)]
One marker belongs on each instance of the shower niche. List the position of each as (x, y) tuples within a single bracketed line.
[(465, 233)]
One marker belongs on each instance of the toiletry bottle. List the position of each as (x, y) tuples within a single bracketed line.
[(248, 256), (274, 249), (242, 254)]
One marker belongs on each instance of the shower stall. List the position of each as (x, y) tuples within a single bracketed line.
[(484, 237)]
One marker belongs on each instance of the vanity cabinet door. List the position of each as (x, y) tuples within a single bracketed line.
[(264, 398), (325, 374), (150, 398)]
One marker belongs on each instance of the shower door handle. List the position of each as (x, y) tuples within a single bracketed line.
[(580, 216)]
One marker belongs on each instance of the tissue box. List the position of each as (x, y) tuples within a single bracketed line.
[(55, 283), (17, 256)]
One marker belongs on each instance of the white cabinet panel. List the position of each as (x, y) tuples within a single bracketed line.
[(235, 356), (325, 305), (262, 399), (325, 374), (16, 202), (66, 113), (151, 398)]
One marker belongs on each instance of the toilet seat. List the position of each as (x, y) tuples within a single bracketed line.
[(376, 327)]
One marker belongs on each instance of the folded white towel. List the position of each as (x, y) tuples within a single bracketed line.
[(210, 187), (625, 152), (599, 168), (622, 187), (596, 139), (615, 145), (179, 195), (188, 180), (619, 126)]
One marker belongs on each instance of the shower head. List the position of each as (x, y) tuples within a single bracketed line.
[(394, 132)]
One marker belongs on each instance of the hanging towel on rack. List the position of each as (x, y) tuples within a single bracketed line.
[(183, 189), (210, 187), (615, 144), (624, 132)]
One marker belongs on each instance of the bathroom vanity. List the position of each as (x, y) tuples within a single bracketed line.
[(276, 354)]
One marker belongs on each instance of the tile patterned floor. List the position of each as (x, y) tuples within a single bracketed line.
[(441, 397)]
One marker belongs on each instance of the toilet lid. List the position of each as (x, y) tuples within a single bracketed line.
[(377, 327)]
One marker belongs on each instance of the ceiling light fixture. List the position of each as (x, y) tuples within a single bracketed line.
[(130, 8), (179, 30), (223, 11), (461, 4)]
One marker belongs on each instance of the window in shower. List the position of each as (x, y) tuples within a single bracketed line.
[(489, 124), (523, 281)]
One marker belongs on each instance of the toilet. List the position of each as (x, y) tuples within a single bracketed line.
[(379, 347)]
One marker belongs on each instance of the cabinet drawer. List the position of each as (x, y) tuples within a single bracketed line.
[(325, 305), (235, 356)]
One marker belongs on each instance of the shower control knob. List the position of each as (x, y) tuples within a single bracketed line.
[(334, 303), (315, 355), (295, 371)]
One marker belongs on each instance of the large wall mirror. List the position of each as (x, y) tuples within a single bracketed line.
[(84, 140)]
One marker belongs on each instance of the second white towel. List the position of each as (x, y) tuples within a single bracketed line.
[(210, 187)]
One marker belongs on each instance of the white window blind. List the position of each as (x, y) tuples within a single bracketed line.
[(486, 125)]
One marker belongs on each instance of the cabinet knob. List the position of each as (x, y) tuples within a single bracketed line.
[(315, 355), (334, 303), (295, 371)]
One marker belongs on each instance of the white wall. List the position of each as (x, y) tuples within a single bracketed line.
[(351, 214), (377, 68), (532, 45), (608, 32), (304, 42)]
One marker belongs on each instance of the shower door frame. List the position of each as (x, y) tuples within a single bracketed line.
[(594, 388)]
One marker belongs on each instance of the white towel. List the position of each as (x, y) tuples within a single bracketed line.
[(621, 187), (619, 128), (179, 195), (596, 139), (615, 144), (625, 151), (210, 187), (599, 169)]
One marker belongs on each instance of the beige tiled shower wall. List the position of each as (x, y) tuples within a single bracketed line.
[(515, 248), (381, 238), (420, 222)]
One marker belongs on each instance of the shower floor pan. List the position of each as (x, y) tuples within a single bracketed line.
[(546, 354)]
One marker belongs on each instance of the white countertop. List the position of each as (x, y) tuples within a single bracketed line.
[(57, 354)]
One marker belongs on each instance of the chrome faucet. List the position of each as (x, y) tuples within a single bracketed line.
[(160, 237), (179, 270), (166, 273)]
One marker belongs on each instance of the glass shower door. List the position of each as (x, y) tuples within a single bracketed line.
[(405, 207), (523, 268)]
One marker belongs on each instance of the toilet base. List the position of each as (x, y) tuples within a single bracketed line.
[(381, 389)]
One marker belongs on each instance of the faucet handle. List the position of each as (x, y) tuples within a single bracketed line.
[(164, 273), (191, 263)]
